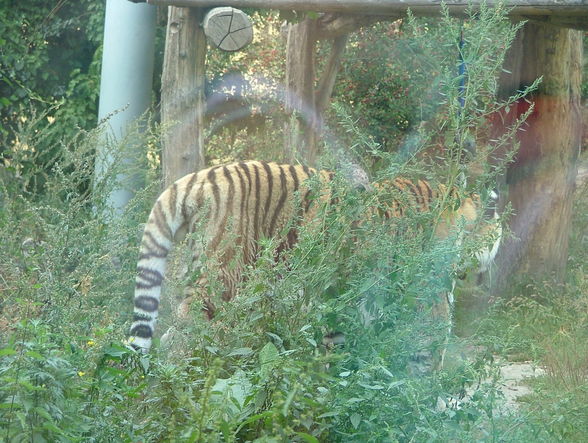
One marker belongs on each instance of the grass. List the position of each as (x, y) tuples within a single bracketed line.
[(547, 323)]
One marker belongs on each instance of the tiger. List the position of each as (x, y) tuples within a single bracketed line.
[(236, 205)]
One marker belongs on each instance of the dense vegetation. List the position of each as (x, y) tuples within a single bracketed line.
[(66, 276)]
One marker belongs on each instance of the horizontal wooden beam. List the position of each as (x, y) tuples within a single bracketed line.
[(393, 7)]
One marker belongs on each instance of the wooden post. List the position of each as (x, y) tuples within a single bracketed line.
[(541, 181), (182, 94), (300, 129), (307, 97)]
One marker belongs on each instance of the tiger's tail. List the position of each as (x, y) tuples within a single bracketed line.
[(167, 219)]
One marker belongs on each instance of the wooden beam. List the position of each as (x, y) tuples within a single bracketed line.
[(561, 21), (393, 7)]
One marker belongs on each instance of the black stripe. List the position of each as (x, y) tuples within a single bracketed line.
[(146, 303), (142, 331), (231, 191), (294, 175), (400, 184), (138, 316), (187, 191), (430, 194), (161, 220), (280, 205), (270, 186), (211, 176), (247, 218), (222, 227), (150, 278), (415, 192), (257, 203), (242, 206), (154, 248)]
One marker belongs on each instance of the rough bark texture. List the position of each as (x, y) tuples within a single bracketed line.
[(306, 96), (541, 181), (387, 7), (301, 127), (182, 94)]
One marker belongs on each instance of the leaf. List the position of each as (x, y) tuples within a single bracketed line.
[(289, 401), (307, 437), (212, 349), (375, 387), (268, 358), (7, 351), (328, 414), (277, 338), (51, 427), (145, 363), (43, 413), (10, 406), (355, 420), (35, 354), (243, 352), (116, 351)]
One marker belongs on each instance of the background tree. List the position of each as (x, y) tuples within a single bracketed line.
[(307, 95), (541, 181)]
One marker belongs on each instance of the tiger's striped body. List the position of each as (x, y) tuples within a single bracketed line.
[(236, 205), (401, 196)]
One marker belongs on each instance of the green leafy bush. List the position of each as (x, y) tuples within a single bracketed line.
[(259, 371)]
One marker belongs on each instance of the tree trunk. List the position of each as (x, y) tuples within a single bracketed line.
[(299, 100), (182, 94), (541, 180), (306, 98)]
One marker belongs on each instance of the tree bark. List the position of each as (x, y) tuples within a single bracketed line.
[(306, 98), (541, 180), (182, 94), (299, 101)]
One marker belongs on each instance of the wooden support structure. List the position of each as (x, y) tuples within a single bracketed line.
[(228, 29), (541, 180), (182, 94), (567, 13)]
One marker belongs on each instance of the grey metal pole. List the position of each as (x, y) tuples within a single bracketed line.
[(125, 85)]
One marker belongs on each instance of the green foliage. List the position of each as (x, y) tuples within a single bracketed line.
[(259, 371), (41, 392), (547, 323), (49, 73), (402, 82)]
